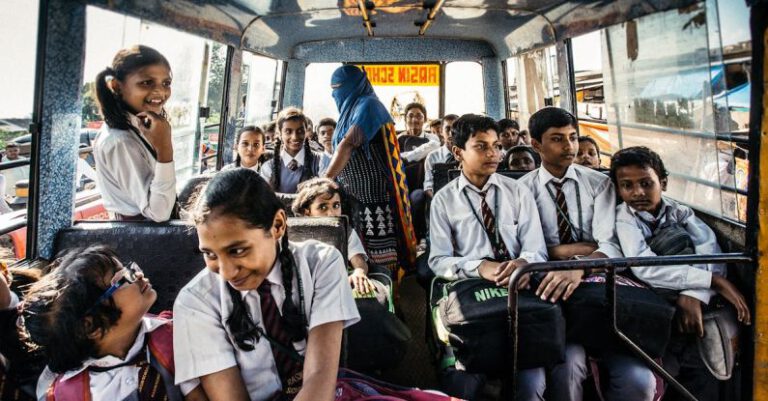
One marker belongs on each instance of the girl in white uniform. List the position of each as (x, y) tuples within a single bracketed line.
[(133, 152), (264, 320)]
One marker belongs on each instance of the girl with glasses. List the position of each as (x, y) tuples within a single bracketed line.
[(89, 318)]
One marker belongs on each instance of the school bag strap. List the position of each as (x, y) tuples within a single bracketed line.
[(160, 345)]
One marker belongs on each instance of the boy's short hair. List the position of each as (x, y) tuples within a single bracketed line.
[(470, 124), (326, 121), (505, 123), (449, 117), (270, 126), (436, 122), (550, 117), (637, 156), (290, 114), (415, 105), (592, 141)]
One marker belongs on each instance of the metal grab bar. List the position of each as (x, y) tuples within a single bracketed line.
[(610, 265), (7, 165)]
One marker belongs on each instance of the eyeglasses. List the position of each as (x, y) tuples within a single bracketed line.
[(126, 275)]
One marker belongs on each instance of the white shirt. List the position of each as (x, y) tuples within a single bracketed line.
[(458, 239), (118, 383), (129, 178), (289, 180), (434, 157), (355, 246), (421, 152), (694, 279), (203, 344), (597, 194), (85, 170)]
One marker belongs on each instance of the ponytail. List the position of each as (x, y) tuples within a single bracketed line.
[(308, 170), (277, 164), (239, 321), (111, 105), (293, 318)]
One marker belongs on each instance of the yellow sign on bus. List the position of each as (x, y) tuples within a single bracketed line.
[(403, 75)]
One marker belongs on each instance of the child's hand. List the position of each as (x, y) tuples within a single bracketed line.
[(690, 320), (158, 131), (360, 282), (559, 285), (505, 270), (729, 291)]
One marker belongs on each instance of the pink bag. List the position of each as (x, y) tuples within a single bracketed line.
[(353, 386)]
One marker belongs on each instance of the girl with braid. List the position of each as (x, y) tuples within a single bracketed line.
[(264, 320), (294, 161)]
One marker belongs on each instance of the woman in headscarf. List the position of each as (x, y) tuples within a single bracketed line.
[(366, 162)]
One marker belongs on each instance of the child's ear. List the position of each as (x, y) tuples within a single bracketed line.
[(92, 332), (114, 86), (536, 145), (663, 184), (456, 152), (279, 224)]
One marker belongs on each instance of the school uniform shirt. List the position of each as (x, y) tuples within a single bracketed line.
[(130, 179), (459, 242), (289, 180), (231, 166), (325, 162), (595, 192), (633, 232), (435, 157), (118, 383), (421, 152), (203, 343), (355, 246)]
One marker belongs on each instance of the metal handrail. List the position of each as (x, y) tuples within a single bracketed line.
[(7, 165), (610, 266)]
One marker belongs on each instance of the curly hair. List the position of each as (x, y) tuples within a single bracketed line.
[(310, 190)]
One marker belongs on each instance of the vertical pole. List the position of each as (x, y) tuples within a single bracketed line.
[(566, 76), (493, 82), (757, 208), (295, 74), (57, 120), (230, 103)]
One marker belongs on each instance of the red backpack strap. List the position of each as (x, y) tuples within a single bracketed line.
[(76, 388), (161, 346)]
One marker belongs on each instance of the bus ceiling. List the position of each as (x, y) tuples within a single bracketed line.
[(285, 29)]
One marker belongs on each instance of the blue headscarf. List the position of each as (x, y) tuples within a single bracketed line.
[(357, 104)]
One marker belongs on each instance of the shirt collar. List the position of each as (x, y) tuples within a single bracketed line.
[(148, 325), (646, 216), (287, 158), (464, 182), (545, 176)]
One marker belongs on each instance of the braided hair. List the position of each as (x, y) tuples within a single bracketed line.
[(243, 194)]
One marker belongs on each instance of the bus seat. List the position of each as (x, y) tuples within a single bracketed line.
[(168, 252), (191, 188)]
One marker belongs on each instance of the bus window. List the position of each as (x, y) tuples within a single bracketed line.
[(17, 79), (215, 64), (464, 90), (662, 97), (538, 82), (108, 32), (512, 96), (590, 102), (260, 77), (318, 102)]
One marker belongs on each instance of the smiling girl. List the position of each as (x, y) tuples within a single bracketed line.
[(264, 320), (133, 151)]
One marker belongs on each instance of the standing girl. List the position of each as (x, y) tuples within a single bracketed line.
[(264, 320), (249, 148), (133, 151), (294, 160)]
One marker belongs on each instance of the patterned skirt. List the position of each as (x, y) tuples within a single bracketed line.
[(383, 222)]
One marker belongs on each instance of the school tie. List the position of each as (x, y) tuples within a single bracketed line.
[(564, 229), (288, 368), (293, 165), (489, 221)]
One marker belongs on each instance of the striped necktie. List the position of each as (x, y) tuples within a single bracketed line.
[(564, 229), (289, 370), (293, 165), (489, 221)]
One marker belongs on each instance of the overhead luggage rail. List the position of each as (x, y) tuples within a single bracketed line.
[(610, 266)]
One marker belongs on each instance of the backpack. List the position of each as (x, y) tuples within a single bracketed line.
[(641, 314), (474, 313), (160, 345), (380, 339), (353, 386)]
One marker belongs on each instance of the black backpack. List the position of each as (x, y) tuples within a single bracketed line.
[(474, 311), (380, 339)]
